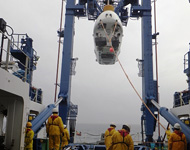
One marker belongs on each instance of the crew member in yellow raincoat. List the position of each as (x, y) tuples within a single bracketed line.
[(29, 134), (122, 140), (65, 138), (177, 140), (54, 129), (107, 136), (168, 133)]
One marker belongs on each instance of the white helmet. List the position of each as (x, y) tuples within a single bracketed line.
[(126, 126), (65, 126), (177, 126), (55, 110), (112, 124)]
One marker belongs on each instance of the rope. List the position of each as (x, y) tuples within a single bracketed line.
[(58, 52), (137, 92), (130, 80), (106, 32)]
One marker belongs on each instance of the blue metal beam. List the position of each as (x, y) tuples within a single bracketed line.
[(38, 122), (148, 91), (119, 6), (65, 83)]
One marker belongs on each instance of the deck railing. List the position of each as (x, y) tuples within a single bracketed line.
[(8, 62), (181, 98)]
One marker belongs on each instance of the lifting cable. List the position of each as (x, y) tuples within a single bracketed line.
[(109, 39), (58, 52), (156, 59)]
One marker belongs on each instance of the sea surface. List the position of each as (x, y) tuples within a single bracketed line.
[(91, 133)]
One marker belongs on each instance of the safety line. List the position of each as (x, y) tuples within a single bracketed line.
[(105, 30), (113, 30), (58, 52), (137, 92), (130, 80)]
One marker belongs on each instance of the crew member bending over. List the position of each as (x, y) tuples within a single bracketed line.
[(65, 138)]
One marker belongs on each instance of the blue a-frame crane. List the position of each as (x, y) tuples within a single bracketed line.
[(91, 9)]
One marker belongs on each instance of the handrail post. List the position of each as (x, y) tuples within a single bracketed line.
[(1, 53), (26, 69), (7, 57)]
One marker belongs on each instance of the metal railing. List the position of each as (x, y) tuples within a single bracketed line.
[(181, 99), (8, 62), (186, 61)]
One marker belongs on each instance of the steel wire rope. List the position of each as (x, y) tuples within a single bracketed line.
[(156, 60), (129, 79), (58, 52)]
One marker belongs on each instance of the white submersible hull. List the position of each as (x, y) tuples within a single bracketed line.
[(108, 32)]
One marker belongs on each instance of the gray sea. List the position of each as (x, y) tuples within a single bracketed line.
[(91, 133)]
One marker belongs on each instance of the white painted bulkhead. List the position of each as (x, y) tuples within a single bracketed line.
[(14, 98), (182, 111)]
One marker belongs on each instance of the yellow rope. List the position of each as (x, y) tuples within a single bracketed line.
[(106, 32), (57, 72)]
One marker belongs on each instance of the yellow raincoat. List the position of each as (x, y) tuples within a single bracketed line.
[(54, 128), (109, 132), (65, 138), (168, 133), (177, 141), (29, 134), (122, 140)]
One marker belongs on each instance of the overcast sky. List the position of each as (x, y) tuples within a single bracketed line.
[(102, 92)]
